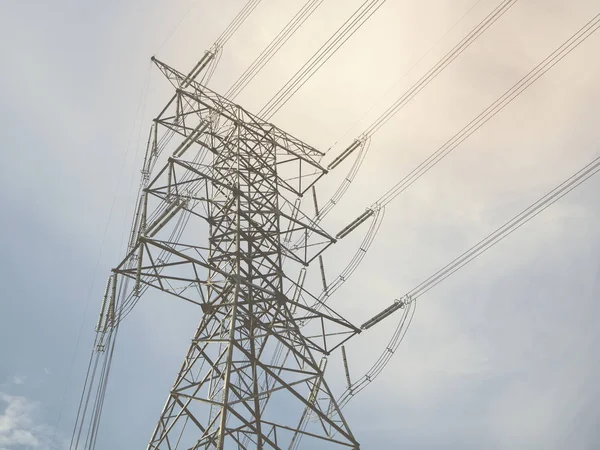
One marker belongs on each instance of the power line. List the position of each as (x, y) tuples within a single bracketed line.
[(508, 228), (407, 303), (231, 28), (408, 311), (454, 53), (321, 56), (274, 46), (417, 87), (138, 114), (515, 91), (361, 144), (409, 300), (237, 22), (500, 103), (412, 67)]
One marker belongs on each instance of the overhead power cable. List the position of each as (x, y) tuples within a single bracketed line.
[(508, 228), (407, 303), (229, 31), (139, 114), (321, 56), (211, 57), (359, 144), (517, 89), (274, 46), (404, 305), (448, 58), (237, 22), (407, 313), (412, 67), (429, 76), (96, 390)]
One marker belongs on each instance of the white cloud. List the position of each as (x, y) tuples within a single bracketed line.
[(18, 380), (19, 427)]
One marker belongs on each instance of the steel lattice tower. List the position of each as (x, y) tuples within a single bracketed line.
[(254, 374), (253, 377)]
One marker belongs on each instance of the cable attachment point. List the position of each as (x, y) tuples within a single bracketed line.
[(102, 319), (355, 223), (400, 303), (356, 144), (405, 300), (200, 66)]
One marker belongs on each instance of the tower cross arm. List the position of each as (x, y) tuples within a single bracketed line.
[(220, 105)]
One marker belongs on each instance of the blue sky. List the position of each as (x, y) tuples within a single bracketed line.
[(501, 355)]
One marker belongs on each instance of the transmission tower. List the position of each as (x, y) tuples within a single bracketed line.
[(253, 376)]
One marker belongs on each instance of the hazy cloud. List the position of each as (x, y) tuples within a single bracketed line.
[(19, 426), (18, 380)]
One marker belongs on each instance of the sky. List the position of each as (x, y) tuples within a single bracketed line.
[(500, 355)]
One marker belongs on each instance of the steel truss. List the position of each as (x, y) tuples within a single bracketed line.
[(253, 376)]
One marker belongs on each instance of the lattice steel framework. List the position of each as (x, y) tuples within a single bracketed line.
[(253, 377)]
